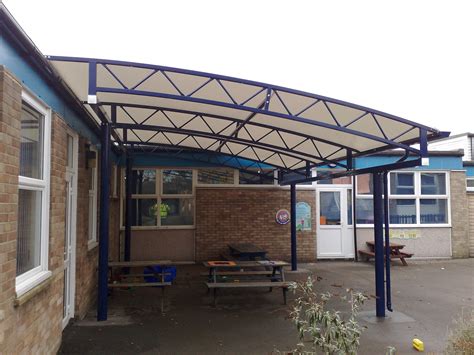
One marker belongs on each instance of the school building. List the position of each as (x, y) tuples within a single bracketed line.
[(186, 202)]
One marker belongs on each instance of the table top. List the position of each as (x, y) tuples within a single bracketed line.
[(392, 245), (244, 264), (246, 248)]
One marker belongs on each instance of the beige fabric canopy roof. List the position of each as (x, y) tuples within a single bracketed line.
[(157, 106)]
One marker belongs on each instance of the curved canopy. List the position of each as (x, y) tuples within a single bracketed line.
[(151, 105)]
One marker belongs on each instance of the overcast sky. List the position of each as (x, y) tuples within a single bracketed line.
[(413, 58)]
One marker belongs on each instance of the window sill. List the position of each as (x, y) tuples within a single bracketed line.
[(92, 245), (30, 288)]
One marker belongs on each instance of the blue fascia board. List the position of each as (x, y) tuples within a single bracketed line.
[(23, 71), (435, 162), (469, 170), (184, 159)]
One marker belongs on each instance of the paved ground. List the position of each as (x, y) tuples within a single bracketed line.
[(426, 297)]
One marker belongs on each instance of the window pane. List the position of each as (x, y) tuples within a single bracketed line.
[(177, 212), (433, 184), (364, 211), (470, 182), (402, 184), (144, 212), (257, 177), (402, 211), (178, 182), (216, 176), (29, 231), (31, 146), (330, 208), (433, 211), (144, 182), (364, 185)]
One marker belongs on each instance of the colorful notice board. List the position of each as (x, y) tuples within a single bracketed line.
[(303, 216)]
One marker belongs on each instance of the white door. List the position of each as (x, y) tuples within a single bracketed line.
[(334, 223), (70, 230)]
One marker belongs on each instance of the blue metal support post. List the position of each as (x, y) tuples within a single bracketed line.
[(294, 261), (379, 247), (104, 222), (128, 206), (388, 284)]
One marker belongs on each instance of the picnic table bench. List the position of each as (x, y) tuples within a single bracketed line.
[(124, 279), (246, 274), (395, 252), (247, 251)]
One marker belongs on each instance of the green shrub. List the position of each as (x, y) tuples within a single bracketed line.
[(326, 330)]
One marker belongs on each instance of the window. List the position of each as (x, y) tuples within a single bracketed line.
[(216, 176), (470, 184), (33, 195), (256, 176), (402, 183), (344, 180), (415, 198), (162, 197), (93, 194)]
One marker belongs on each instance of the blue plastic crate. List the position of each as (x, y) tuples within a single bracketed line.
[(171, 270)]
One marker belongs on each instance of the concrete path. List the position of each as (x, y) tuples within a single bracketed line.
[(427, 296)]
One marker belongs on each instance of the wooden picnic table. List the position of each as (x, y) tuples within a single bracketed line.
[(124, 278), (245, 274), (247, 251), (395, 252)]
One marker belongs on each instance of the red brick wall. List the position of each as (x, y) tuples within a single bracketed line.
[(239, 215)]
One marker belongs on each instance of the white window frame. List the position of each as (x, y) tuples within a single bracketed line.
[(93, 195), (469, 178), (417, 196), (158, 195), (32, 278)]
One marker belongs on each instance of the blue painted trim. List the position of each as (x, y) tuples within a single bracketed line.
[(185, 159), (435, 162), (469, 170), (32, 80)]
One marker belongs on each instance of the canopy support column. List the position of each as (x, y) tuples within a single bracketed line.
[(294, 261), (128, 206), (379, 248), (388, 284), (104, 222)]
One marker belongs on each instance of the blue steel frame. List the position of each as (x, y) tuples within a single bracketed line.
[(305, 161)]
